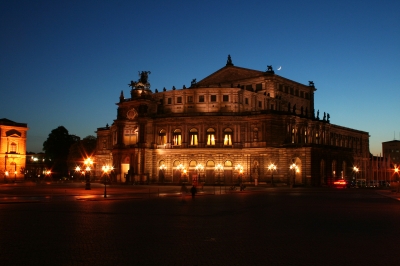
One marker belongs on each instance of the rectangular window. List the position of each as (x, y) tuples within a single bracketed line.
[(258, 87), (228, 139), (291, 91), (13, 148), (201, 99), (249, 87), (297, 92), (130, 136), (162, 139), (190, 99), (213, 98), (280, 87), (307, 96), (246, 100), (286, 89), (225, 98), (193, 140), (179, 100), (211, 139), (302, 94), (259, 104), (169, 100)]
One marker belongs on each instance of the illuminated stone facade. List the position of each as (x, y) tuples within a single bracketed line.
[(12, 149), (241, 119)]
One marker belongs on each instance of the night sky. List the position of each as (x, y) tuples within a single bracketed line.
[(64, 63)]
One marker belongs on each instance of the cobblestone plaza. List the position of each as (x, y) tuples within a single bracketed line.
[(146, 225)]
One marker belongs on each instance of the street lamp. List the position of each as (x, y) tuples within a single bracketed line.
[(106, 170), (162, 169), (239, 169), (355, 169), (396, 171), (48, 173), (295, 169), (80, 171), (6, 176), (199, 168), (272, 167), (88, 163), (183, 171), (219, 168)]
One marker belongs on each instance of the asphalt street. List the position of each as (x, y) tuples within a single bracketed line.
[(63, 224)]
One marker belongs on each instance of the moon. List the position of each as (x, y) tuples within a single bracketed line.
[(279, 68)]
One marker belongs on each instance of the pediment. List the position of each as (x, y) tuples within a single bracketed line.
[(13, 133), (229, 74)]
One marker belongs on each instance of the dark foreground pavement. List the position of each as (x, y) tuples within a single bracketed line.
[(66, 225)]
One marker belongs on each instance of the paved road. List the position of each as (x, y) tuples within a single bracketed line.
[(269, 226)]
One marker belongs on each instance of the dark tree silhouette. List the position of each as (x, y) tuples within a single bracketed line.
[(81, 150), (56, 149)]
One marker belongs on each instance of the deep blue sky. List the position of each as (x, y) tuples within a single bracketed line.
[(66, 62)]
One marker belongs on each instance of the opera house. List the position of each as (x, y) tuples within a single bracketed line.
[(235, 125)]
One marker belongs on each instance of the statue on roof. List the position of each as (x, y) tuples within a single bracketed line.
[(143, 82), (193, 83), (270, 70), (229, 61), (311, 83), (121, 97)]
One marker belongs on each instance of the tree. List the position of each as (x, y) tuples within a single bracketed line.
[(56, 149), (81, 149)]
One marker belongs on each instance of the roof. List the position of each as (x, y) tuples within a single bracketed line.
[(229, 74), (8, 122)]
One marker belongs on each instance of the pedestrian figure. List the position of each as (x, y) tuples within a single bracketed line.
[(193, 190)]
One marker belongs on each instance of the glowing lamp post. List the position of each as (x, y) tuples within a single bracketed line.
[(5, 175), (272, 168), (80, 171), (295, 170), (48, 174), (88, 163), (355, 169), (162, 169), (239, 169), (219, 168), (183, 171), (199, 168), (396, 171), (106, 171)]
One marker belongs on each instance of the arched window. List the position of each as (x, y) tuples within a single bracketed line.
[(228, 163), (193, 137), (228, 136), (210, 164), (162, 137), (177, 137), (210, 137)]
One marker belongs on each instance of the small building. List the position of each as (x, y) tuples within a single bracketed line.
[(235, 125), (392, 149), (13, 137)]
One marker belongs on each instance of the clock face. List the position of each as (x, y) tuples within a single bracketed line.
[(132, 114)]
